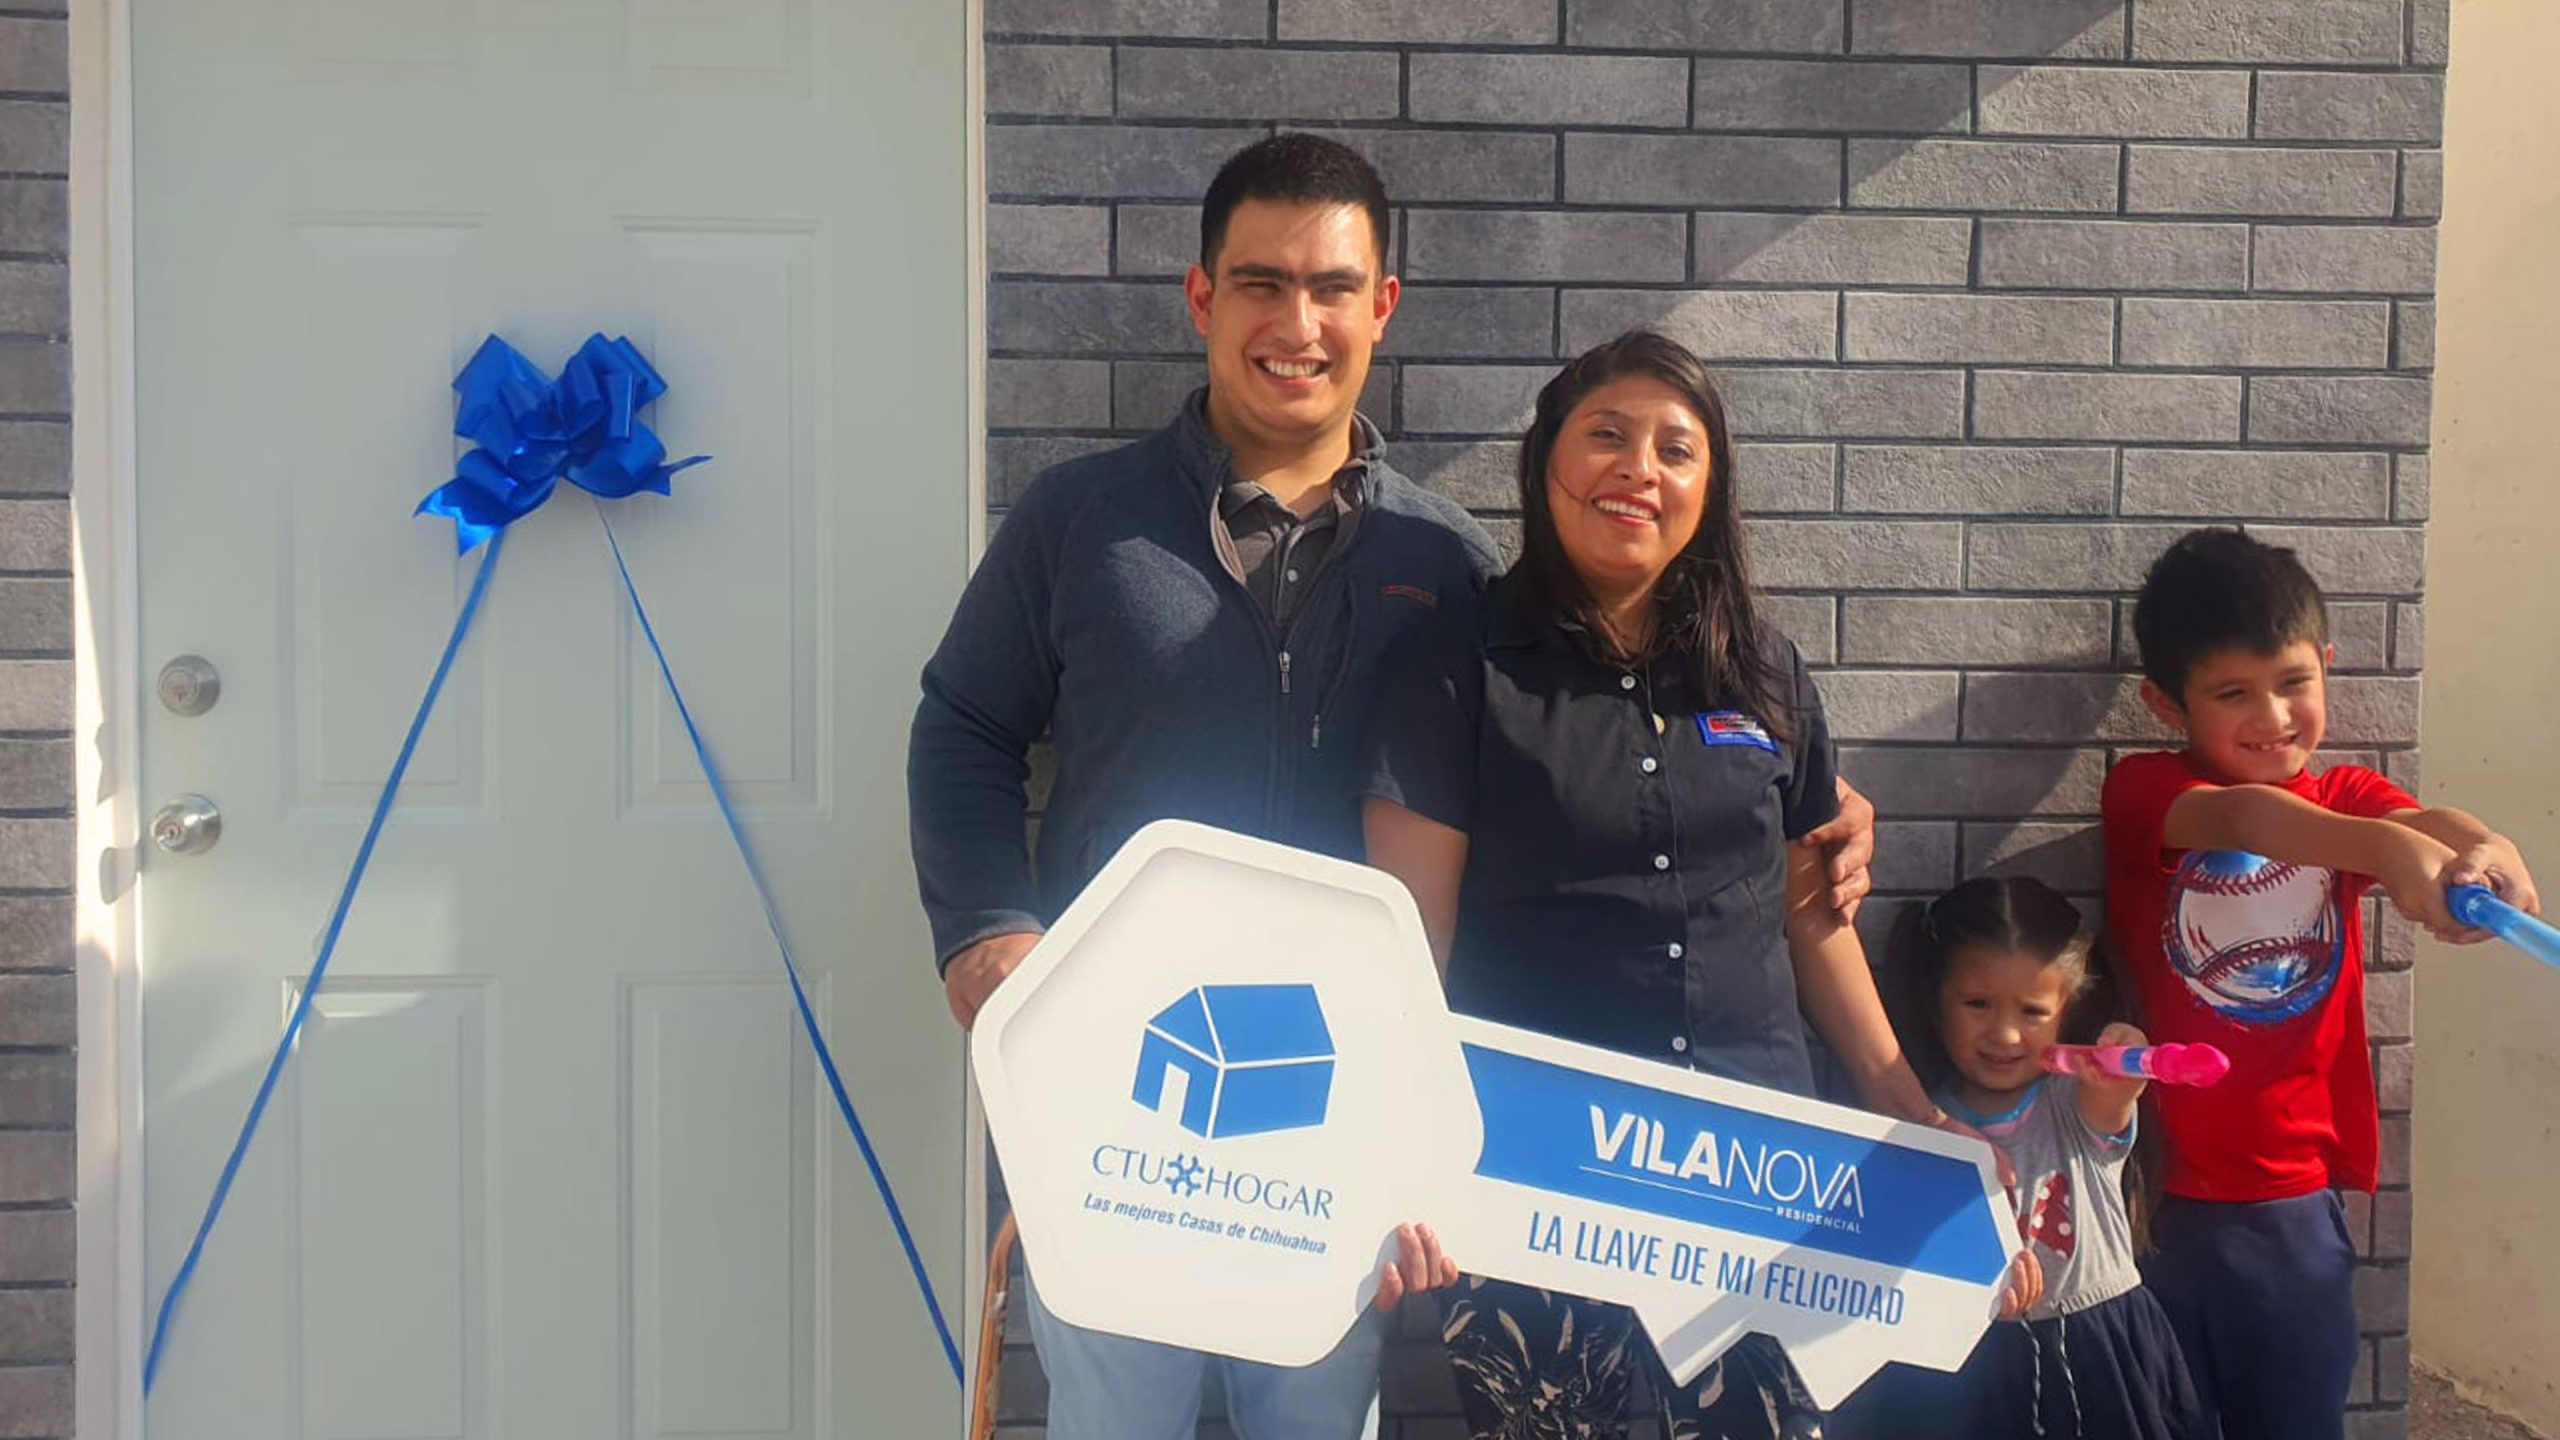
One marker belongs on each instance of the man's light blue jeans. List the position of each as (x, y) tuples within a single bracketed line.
[(1109, 1387)]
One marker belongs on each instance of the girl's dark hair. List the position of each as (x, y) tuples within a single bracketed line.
[(2024, 916), (1706, 614), (2007, 913)]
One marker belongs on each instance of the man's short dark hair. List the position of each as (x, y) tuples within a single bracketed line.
[(2216, 590), (1292, 166)]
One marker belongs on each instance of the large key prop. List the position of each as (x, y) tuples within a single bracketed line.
[(1227, 1074)]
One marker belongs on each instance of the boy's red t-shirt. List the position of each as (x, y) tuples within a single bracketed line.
[(2265, 963)]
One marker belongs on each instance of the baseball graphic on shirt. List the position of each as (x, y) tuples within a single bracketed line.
[(2256, 940)]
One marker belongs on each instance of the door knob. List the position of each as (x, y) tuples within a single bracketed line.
[(187, 825), (189, 685)]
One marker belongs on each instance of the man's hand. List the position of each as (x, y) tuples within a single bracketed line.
[(1849, 844), (974, 973), (1419, 1265)]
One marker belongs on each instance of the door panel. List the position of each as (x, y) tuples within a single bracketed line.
[(552, 1160)]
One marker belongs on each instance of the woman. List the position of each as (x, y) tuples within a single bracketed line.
[(1591, 802)]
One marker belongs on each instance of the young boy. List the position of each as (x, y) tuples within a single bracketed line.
[(2263, 957)]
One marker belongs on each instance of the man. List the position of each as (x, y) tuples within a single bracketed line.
[(1199, 620)]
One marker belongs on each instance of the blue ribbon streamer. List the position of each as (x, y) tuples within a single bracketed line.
[(529, 432), (782, 945), (319, 967)]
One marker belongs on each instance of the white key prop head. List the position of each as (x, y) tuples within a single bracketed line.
[(1227, 1074)]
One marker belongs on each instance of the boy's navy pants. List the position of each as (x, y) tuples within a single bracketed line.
[(2262, 1297)]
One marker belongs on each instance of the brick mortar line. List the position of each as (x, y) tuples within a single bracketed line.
[(1411, 124), (1408, 436), (1719, 285), (1601, 209), (1554, 50), (1427, 285), (1740, 365)]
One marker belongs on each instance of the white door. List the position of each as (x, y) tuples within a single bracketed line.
[(552, 1160)]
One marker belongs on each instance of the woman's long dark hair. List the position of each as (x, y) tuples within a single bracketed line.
[(1705, 612)]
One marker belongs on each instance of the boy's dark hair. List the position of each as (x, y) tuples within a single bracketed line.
[(1293, 166), (2217, 590)]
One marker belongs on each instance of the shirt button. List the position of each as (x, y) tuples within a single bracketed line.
[(1661, 862), (1677, 950), (1293, 577), (1648, 764), (1626, 682), (1680, 1043)]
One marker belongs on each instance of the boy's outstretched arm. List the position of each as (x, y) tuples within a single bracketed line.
[(2412, 866), (2481, 856)]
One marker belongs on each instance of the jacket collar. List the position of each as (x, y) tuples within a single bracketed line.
[(1211, 465)]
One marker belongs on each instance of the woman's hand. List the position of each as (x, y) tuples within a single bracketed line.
[(1419, 1265), (1941, 1120)]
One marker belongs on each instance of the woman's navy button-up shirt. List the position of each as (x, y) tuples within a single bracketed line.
[(1625, 882)]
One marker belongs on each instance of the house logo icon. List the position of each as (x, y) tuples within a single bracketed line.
[(1229, 1060)]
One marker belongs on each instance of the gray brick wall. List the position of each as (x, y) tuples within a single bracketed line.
[(36, 1013), (2004, 293)]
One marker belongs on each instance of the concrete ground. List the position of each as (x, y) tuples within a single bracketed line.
[(2436, 1413)]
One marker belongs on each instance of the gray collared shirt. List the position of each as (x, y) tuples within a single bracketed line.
[(1275, 554)]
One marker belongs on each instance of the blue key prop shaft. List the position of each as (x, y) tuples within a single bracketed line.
[(319, 966), (2480, 908), (782, 944)]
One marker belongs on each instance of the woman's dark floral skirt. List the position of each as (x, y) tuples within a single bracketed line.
[(1534, 1365)]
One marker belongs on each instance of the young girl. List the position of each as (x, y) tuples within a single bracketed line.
[(1998, 964)]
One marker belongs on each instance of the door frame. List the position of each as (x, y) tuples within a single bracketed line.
[(108, 691)]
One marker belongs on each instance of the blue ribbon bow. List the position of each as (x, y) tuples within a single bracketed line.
[(528, 432)]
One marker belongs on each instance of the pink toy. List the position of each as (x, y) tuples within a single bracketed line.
[(2165, 1064)]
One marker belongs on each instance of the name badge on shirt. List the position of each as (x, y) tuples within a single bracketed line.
[(1732, 727)]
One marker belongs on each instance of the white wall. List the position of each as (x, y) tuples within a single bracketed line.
[(2486, 1285)]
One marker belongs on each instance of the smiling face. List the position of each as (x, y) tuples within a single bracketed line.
[(1998, 1011), (1627, 483), (2252, 718), (1295, 305)]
